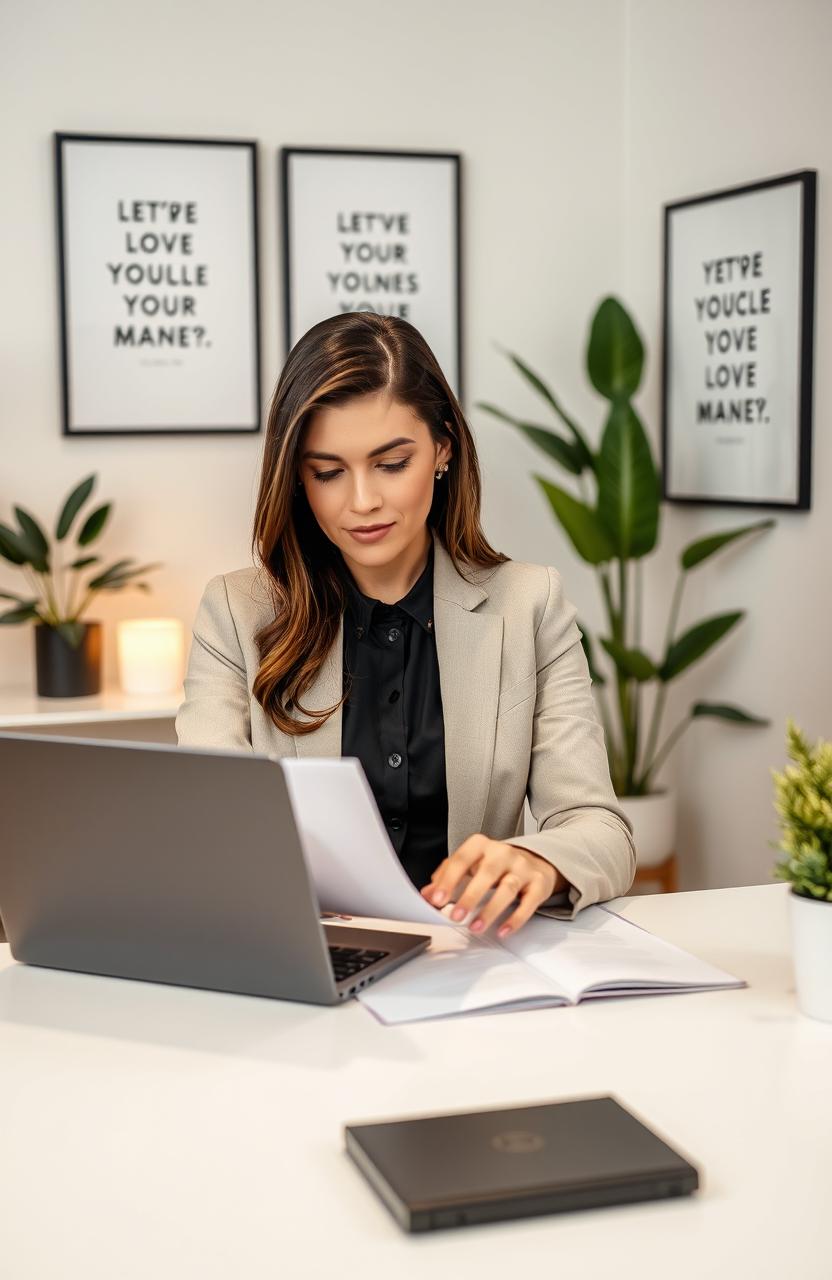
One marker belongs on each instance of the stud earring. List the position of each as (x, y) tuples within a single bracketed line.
[(441, 471)]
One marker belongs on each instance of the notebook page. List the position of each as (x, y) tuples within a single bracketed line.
[(600, 953), (459, 974)]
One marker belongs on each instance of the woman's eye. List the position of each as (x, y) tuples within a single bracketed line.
[(323, 476)]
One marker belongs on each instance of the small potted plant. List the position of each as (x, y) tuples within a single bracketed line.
[(803, 799), (612, 516), (68, 650)]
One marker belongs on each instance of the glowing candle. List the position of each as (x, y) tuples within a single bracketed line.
[(150, 654)]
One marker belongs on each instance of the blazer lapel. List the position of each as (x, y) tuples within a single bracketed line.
[(469, 650), (469, 646)]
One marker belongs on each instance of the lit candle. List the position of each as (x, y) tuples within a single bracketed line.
[(150, 654)]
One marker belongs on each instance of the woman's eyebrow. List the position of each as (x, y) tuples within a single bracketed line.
[(333, 457)]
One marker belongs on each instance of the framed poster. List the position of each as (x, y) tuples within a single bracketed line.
[(159, 297), (374, 231), (737, 369)]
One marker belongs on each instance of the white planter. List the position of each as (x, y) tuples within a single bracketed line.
[(654, 825), (811, 924)]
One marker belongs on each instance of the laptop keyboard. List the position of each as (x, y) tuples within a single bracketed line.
[(348, 961)]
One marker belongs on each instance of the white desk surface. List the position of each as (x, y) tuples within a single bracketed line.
[(21, 708), (152, 1131)]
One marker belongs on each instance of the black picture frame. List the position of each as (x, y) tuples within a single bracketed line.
[(800, 313), (291, 286), (250, 379)]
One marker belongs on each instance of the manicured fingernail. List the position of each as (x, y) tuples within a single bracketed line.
[(503, 931), (477, 926), (458, 913), (439, 896)]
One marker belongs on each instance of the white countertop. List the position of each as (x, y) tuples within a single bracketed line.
[(20, 707), (152, 1131)]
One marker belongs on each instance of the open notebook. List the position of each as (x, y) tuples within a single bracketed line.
[(548, 962)]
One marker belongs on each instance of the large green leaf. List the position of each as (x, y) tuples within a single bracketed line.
[(615, 353), (696, 642), (630, 662), (563, 451), (72, 632), (33, 540), (93, 524), (700, 550), (23, 613), (535, 381), (628, 485), (726, 711), (581, 523), (586, 643), (108, 575), (72, 506), (11, 546), (119, 575)]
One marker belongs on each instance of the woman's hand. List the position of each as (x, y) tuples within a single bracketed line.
[(493, 865)]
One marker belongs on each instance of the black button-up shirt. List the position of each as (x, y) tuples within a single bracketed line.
[(392, 720)]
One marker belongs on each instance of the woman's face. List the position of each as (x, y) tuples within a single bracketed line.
[(370, 462)]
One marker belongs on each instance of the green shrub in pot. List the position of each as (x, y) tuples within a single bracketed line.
[(803, 800), (62, 580)]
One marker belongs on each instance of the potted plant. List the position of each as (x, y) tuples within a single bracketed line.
[(68, 650), (803, 799), (613, 522)]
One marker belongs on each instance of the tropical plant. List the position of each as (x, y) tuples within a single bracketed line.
[(613, 525), (58, 595), (803, 799)]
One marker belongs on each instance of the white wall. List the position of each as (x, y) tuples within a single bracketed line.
[(576, 121), (719, 94)]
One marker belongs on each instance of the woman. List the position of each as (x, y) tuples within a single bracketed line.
[(379, 623)]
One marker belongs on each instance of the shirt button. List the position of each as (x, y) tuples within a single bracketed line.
[(395, 760), (393, 634), (395, 824)]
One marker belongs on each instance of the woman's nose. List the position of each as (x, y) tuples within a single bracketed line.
[(364, 495)]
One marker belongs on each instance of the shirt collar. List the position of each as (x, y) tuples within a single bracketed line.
[(417, 604)]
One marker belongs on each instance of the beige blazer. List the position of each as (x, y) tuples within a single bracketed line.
[(518, 710)]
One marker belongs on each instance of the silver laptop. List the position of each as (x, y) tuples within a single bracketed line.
[(170, 864)]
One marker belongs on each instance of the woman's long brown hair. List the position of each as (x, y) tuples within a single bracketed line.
[(346, 355)]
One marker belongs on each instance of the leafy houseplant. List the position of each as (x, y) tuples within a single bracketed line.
[(613, 524), (803, 800), (68, 650)]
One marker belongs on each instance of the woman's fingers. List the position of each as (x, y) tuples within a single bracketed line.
[(531, 898), (448, 874), (485, 879), (502, 898)]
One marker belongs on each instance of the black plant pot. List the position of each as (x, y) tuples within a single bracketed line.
[(64, 671)]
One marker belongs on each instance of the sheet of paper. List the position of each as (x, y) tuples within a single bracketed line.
[(599, 949), (354, 866)]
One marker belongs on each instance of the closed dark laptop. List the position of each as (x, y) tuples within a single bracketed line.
[(480, 1166)]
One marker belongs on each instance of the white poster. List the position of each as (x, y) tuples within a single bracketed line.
[(738, 344), (374, 231), (159, 293)]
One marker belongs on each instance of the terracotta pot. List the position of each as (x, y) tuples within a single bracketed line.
[(654, 825), (66, 671)]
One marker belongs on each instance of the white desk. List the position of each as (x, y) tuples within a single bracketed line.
[(152, 1131)]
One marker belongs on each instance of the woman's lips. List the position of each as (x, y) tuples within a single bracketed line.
[(372, 536)]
